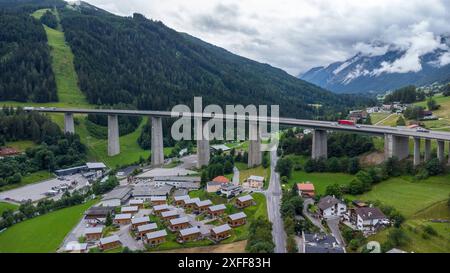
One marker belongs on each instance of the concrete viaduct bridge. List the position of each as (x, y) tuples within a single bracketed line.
[(396, 139)]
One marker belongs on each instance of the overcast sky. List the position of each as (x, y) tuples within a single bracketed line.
[(296, 35)]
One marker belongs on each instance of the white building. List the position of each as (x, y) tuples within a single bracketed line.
[(329, 206), (368, 219)]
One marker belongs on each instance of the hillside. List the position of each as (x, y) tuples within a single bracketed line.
[(380, 73)]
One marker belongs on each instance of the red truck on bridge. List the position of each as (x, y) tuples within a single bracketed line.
[(346, 122)]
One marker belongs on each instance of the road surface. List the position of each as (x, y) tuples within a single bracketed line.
[(273, 196), (333, 224), (307, 214)]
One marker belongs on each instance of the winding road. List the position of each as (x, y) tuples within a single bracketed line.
[(273, 196)]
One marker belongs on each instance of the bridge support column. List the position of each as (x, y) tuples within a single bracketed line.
[(449, 153), (427, 150), (203, 151), (113, 135), (157, 142), (416, 151), (440, 150), (319, 144), (254, 148), (69, 126), (396, 146)]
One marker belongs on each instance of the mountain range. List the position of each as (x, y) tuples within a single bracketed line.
[(384, 71)]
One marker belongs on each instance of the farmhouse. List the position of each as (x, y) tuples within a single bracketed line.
[(368, 219), (213, 186), (160, 208), (167, 215), (156, 237), (98, 212), (93, 233), (306, 190), (255, 182), (158, 200), (237, 219), (179, 223), (221, 232), (216, 210), (190, 203), (116, 197), (201, 206), (330, 206), (189, 234), (137, 202), (144, 229), (122, 219), (139, 221), (179, 200), (110, 242), (244, 201), (129, 209)]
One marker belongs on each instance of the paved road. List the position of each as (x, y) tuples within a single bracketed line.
[(333, 224), (273, 195), (235, 176), (313, 219)]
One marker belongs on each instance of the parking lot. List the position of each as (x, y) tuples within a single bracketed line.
[(37, 191)]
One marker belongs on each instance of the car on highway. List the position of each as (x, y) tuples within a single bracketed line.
[(422, 130)]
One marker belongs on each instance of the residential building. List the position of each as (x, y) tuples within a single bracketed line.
[(156, 237), (93, 233), (110, 242), (76, 247), (98, 213), (122, 219), (129, 209), (212, 187), (190, 203), (230, 190), (179, 223), (144, 229), (237, 219), (201, 206), (139, 221), (157, 210), (321, 243), (306, 189), (116, 197), (216, 210), (255, 182), (221, 179), (329, 206), (158, 200), (368, 219), (167, 215), (221, 232), (244, 201), (179, 200), (189, 234), (137, 202)]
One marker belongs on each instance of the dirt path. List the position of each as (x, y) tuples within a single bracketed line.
[(237, 247)]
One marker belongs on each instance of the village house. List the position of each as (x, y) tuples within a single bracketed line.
[(76, 247), (139, 221), (329, 206), (167, 215), (190, 203), (93, 233), (110, 242), (158, 200), (137, 202), (179, 200), (230, 190), (368, 219), (157, 210), (178, 223), (98, 213), (216, 210), (122, 219), (144, 229), (306, 190), (212, 187), (237, 219), (244, 201), (130, 209), (255, 182), (201, 206), (156, 237), (221, 232), (189, 234)]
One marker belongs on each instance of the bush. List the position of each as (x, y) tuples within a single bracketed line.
[(434, 167), (284, 167), (430, 230)]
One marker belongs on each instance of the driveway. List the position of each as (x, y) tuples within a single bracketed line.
[(273, 196), (127, 240), (307, 214), (333, 224)]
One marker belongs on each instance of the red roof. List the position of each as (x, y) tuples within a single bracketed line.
[(305, 187), (221, 179)]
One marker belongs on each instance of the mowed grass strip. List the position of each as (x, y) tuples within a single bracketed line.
[(7, 206), (42, 234)]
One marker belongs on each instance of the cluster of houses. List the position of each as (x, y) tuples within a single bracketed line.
[(223, 186), (360, 216)]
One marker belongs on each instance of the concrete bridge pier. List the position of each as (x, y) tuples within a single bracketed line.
[(69, 126), (427, 150), (319, 144), (416, 151), (449, 153), (396, 146), (254, 148), (203, 151), (113, 135), (440, 151), (157, 142)]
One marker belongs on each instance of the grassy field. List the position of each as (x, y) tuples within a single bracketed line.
[(320, 180), (35, 236), (443, 113), (5, 206), (376, 117), (409, 196), (29, 179), (21, 145)]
